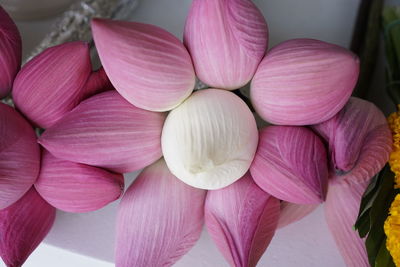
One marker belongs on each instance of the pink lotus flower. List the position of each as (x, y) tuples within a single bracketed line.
[(208, 140), (10, 52), (152, 70)]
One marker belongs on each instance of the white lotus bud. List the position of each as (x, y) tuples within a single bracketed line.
[(209, 141)]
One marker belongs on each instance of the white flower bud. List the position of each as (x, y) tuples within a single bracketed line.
[(209, 141)]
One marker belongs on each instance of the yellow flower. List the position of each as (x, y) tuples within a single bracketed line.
[(394, 161), (392, 230)]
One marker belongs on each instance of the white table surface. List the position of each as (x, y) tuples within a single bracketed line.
[(82, 240)]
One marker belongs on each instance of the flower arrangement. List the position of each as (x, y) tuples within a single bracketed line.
[(204, 159)]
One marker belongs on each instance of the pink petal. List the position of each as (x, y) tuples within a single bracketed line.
[(241, 219), (303, 81), (147, 65), (74, 187), (97, 82), (10, 52), (23, 226), (227, 40), (52, 83), (291, 164), (107, 131), (159, 219), (359, 140), (291, 212), (19, 156), (341, 211)]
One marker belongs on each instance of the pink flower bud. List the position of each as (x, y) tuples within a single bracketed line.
[(107, 131), (19, 156), (227, 40), (291, 164), (75, 187), (52, 83), (159, 219), (241, 219), (146, 64), (359, 141), (10, 52), (303, 81), (23, 225)]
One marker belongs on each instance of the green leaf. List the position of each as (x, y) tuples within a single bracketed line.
[(378, 214), (363, 224), (384, 259)]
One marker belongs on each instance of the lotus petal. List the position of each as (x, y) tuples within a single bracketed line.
[(107, 131), (359, 140), (10, 52), (159, 219), (23, 226), (341, 211), (147, 65), (291, 212), (241, 219), (209, 141), (227, 40), (75, 187), (19, 156), (52, 83), (291, 164), (303, 81), (97, 82)]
